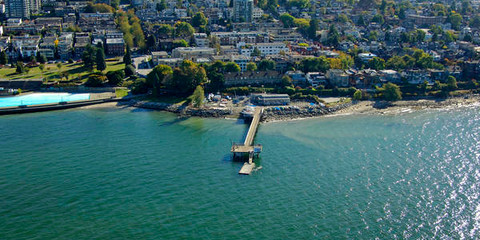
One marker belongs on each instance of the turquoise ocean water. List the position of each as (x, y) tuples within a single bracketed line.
[(136, 174)]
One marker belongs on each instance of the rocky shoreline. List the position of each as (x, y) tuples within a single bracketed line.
[(305, 110), (270, 113)]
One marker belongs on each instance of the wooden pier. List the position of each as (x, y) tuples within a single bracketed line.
[(247, 148)]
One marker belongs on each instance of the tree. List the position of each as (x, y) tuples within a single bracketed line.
[(41, 58), (162, 5), (129, 70), (199, 20), (312, 29), (158, 76), (180, 43), (452, 83), (184, 30), (361, 21), (391, 92), (287, 20), (115, 77), (251, 66), (127, 58), (41, 67), (333, 38), (215, 75), (186, 77), (59, 66), (165, 30), (197, 97), (286, 81), (378, 19), (3, 58), (377, 63), (256, 53), (20, 68), (265, 65), (396, 63), (475, 22), (232, 67), (115, 3), (455, 19), (100, 59), (357, 95), (95, 80), (88, 57), (151, 41), (342, 18), (319, 64)]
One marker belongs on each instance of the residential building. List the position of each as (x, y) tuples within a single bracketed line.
[(115, 46), (338, 77), (316, 78), (266, 49), (242, 10), (298, 77), (65, 44), (191, 52), (201, 39), (20, 8), (156, 56), (253, 78)]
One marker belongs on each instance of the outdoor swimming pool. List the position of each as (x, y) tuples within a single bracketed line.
[(42, 98)]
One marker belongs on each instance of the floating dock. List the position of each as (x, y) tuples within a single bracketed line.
[(247, 148)]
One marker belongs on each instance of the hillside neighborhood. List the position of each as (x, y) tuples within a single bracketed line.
[(362, 49)]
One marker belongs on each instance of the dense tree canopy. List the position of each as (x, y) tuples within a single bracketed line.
[(186, 77)]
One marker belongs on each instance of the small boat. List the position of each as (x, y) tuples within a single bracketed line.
[(248, 112)]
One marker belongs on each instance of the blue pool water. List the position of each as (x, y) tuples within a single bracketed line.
[(42, 98)]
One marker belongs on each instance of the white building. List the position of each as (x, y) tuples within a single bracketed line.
[(266, 49), (191, 52), (201, 39), (257, 13)]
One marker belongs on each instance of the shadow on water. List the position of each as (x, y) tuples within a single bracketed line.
[(175, 121)]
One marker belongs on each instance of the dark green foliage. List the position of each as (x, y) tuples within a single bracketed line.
[(96, 80), (100, 59), (129, 70), (140, 86), (199, 20), (266, 65), (391, 92), (232, 67), (115, 78), (333, 37), (41, 58), (127, 58), (180, 43), (88, 57), (3, 58), (187, 77), (20, 68), (319, 64)]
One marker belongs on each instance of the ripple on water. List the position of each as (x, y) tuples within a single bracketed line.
[(146, 175)]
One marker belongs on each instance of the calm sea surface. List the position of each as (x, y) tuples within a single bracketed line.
[(136, 174)]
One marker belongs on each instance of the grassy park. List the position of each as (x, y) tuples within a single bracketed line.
[(68, 72)]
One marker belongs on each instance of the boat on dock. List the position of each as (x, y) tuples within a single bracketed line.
[(248, 112)]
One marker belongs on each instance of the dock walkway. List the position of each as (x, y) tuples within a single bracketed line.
[(247, 147)]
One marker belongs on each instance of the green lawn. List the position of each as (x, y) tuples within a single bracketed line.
[(120, 93), (76, 72)]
